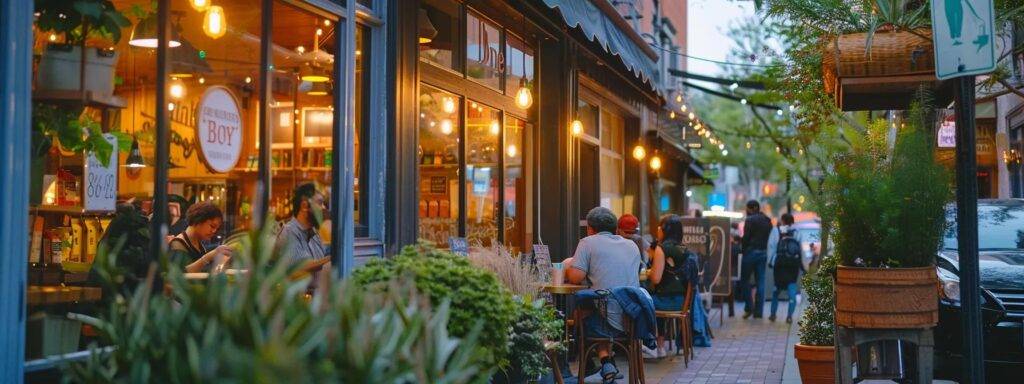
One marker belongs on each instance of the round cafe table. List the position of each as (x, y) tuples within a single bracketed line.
[(560, 294)]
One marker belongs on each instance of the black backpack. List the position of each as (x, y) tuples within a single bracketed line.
[(787, 254)]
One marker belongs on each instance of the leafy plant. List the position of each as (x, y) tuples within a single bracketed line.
[(817, 325), (477, 298), (77, 20), (537, 324), (261, 327), (74, 131), (889, 202)]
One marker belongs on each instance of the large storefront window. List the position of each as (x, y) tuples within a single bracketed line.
[(485, 60), (439, 130), (483, 148), (517, 191)]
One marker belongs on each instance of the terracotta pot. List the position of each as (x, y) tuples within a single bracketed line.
[(887, 298), (817, 364)]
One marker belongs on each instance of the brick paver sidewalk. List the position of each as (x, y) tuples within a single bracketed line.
[(743, 351)]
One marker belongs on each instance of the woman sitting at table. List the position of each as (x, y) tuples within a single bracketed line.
[(204, 220), (668, 276)]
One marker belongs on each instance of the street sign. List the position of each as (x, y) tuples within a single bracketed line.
[(962, 31)]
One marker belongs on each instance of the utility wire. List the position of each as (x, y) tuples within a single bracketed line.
[(730, 97)]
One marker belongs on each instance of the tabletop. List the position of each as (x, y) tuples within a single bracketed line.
[(48, 295), (562, 289)]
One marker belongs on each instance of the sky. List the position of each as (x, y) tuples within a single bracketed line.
[(708, 22)]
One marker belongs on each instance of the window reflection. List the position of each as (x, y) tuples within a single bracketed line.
[(519, 65), (485, 61), (483, 134), (439, 131), (438, 31), (362, 94), (517, 191)]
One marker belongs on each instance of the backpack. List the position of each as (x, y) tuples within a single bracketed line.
[(787, 254)]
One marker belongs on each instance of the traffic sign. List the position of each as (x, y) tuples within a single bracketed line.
[(962, 31)]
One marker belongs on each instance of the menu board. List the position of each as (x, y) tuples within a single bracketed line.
[(458, 246), (101, 180), (708, 237)]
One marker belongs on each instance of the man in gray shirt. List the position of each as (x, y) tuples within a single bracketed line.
[(299, 241), (607, 260)]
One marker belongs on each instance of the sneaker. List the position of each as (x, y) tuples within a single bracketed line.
[(609, 372), (771, 318), (747, 315), (789, 320), (650, 353)]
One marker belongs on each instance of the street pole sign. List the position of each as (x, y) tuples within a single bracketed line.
[(963, 34)]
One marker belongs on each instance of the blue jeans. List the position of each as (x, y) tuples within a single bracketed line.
[(791, 291), (754, 262)]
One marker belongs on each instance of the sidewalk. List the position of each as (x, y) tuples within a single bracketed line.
[(743, 351)]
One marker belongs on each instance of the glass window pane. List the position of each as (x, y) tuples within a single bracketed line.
[(483, 131), (438, 32), (588, 115), (439, 131), (517, 186), (485, 60), (612, 126), (366, 3), (611, 183), (519, 63), (362, 94), (303, 83)]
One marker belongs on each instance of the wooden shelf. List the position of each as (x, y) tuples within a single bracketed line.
[(455, 165), (90, 99), (69, 210), (48, 295)]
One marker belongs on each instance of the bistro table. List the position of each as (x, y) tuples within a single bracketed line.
[(560, 293)]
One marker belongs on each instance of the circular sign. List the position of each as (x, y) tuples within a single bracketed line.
[(219, 129)]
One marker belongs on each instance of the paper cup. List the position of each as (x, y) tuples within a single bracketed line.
[(557, 274)]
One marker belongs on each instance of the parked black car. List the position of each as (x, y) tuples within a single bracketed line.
[(1001, 262)]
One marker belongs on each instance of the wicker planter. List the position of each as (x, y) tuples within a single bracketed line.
[(898, 62), (817, 364), (887, 298)]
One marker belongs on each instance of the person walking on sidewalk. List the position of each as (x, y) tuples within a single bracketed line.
[(756, 230), (786, 263)]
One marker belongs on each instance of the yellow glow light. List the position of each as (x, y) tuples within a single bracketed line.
[(511, 151), (524, 99), (495, 128), (672, 114), (177, 89), (200, 5), (691, 115), (576, 127), (639, 152), (679, 98), (655, 163), (214, 23), (448, 105), (446, 127)]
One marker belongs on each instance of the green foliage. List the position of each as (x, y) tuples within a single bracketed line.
[(476, 296), (127, 236), (889, 204), (536, 324), (75, 131), (817, 324), (77, 20), (258, 327)]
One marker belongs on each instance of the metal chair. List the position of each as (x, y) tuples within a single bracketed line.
[(679, 321), (628, 342)]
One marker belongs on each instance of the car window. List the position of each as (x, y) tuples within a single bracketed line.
[(999, 227)]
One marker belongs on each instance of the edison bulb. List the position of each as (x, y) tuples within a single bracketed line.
[(202, 80), (177, 89), (679, 98), (672, 114), (446, 127), (200, 5), (577, 127), (639, 152), (523, 97), (655, 163), (448, 105), (511, 151), (214, 23), (691, 115)]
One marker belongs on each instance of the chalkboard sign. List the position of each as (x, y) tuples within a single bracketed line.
[(100, 181), (458, 246), (709, 239), (438, 184), (542, 257)]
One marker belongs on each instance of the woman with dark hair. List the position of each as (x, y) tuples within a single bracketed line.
[(204, 220), (668, 276)]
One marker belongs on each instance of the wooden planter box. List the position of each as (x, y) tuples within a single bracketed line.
[(817, 364), (887, 77), (887, 298)]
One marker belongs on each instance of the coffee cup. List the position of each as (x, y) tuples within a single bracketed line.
[(557, 274)]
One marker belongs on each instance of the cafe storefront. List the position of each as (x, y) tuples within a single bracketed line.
[(513, 120), (245, 101)]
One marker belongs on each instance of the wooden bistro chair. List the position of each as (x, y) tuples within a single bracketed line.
[(679, 321), (629, 342)]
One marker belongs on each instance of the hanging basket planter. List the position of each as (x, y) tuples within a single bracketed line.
[(817, 364), (887, 298), (882, 75)]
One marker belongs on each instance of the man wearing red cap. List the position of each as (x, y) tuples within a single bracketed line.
[(629, 227)]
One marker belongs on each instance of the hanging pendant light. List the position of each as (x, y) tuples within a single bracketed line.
[(320, 89), (313, 73), (576, 127), (655, 163), (177, 88), (134, 160), (144, 34), (215, 24), (524, 99), (427, 32), (639, 153)]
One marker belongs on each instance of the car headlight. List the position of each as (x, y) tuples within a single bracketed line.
[(950, 285)]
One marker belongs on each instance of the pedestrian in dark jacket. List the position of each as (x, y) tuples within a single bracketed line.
[(787, 264), (756, 230)]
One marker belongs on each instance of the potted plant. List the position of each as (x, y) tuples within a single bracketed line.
[(60, 66), (815, 353), (888, 201)]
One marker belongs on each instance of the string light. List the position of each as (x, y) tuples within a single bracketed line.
[(639, 152), (721, 146), (446, 126), (691, 115), (655, 163), (779, 112), (672, 114), (682, 107), (748, 145), (679, 98), (733, 86), (743, 101), (725, 152)]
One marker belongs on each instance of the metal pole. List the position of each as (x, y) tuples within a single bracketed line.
[(967, 231), (264, 183), (158, 223)]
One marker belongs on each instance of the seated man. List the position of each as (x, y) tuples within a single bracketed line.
[(608, 261)]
